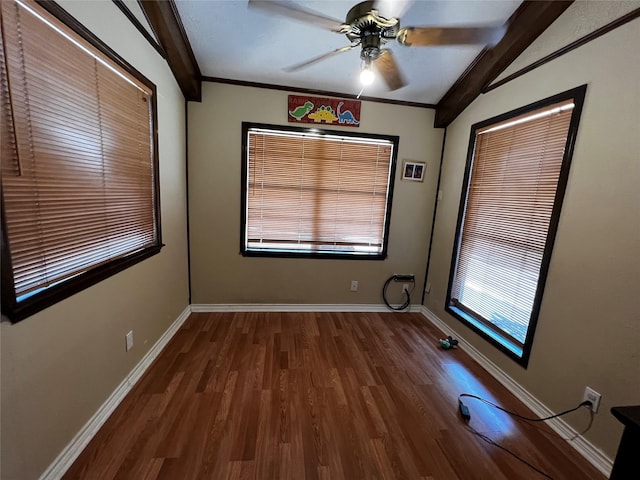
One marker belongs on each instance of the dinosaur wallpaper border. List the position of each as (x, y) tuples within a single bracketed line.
[(330, 111)]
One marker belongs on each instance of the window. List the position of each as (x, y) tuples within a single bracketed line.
[(308, 192), (517, 169), (80, 197)]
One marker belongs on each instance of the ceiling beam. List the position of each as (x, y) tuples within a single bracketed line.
[(524, 26), (164, 19)]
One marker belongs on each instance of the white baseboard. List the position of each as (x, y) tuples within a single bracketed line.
[(288, 307), (589, 451), (66, 458)]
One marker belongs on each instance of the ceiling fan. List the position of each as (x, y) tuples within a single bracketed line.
[(364, 27)]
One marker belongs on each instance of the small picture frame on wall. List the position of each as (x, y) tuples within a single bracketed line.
[(413, 171)]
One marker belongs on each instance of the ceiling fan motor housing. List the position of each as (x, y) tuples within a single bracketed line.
[(370, 29)]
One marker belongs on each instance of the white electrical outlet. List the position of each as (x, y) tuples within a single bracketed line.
[(428, 287), (594, 397), (129, 340), (354, 285), (405, 287)]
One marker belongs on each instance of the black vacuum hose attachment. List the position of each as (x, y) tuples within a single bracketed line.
[(399, 278)]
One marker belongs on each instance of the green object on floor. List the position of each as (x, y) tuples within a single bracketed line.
[(448, 343)]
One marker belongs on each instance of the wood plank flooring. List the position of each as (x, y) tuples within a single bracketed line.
[(318, 396)]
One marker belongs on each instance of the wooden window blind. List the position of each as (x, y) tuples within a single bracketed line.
[(514, 189), (317, 193), (79, 171)]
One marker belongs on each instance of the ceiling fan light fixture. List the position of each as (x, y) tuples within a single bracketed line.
[(366, 75)]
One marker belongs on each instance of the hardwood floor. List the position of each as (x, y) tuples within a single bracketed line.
[(318, 396)]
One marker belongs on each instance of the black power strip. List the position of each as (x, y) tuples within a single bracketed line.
[(464, 411), (404, 278)]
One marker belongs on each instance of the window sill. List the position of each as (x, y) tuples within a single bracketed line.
[(501, 342), (47, 297), (310, 254)]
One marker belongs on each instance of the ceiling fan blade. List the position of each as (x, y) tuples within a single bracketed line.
[(392, 8), (319, 58), (294, 11), (388, 68), (428, 36)]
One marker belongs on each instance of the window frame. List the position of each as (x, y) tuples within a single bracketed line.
[(17, 311), (503, 341), (244, 251)]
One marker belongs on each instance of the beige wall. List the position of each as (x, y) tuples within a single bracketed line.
[(220, 275), (60, 365), (589, 326)]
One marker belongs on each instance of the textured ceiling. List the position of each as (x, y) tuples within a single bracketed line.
[(234, 42)]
